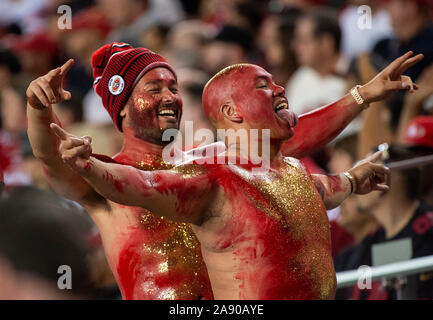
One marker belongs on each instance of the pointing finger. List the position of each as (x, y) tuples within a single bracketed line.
[(409, 63), (374, 157), (66, 67), (61, 133), (53, 73), (395, 65)]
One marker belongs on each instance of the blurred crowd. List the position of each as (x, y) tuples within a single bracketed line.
[(317, 49)]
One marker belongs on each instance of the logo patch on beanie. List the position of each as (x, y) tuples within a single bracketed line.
[(116, 84)]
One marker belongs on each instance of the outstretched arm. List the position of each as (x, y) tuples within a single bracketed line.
[(179, 194), (365, 177), (317, 128), (41, 94)]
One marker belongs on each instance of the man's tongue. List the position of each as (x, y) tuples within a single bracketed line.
[(289, 116)]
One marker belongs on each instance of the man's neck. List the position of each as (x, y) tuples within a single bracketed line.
[(364, 229), (135, 148), (256, 151), (394, 213)]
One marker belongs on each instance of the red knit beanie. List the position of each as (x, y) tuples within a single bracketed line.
[(117, 67)]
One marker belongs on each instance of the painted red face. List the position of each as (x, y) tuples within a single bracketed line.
[(261, 103), (155, 105)]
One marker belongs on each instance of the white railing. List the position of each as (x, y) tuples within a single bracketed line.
[(392, 270)]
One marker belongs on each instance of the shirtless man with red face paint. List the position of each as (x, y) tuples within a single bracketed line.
[(263, 235)]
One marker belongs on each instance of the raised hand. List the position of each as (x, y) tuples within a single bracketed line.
[(73, 150), (391, 79), (48, 89), (370, 176)]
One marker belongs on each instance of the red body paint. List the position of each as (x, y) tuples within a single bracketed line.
[(335, 184), (148, 254), (109, 178), (146, 269), (317, 128), (277, 227), (275, 259)]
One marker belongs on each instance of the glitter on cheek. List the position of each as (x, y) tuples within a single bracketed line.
[(142, 104), (163, 267)]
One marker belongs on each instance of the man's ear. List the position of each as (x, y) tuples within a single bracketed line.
[(123, 112), (229, 111)]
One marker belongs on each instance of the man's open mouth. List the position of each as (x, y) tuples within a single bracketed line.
[(282, 110), (280, 106), (169, 112)]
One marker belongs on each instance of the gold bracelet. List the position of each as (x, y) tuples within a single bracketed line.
[(352, 182), (358, 98)]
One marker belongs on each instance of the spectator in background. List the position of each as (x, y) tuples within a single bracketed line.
[(90, 28), (12, 122), (245, 14), (155, 37), (37, 54), (419, 131), (401, 213), (356, 39), (12, 107), (24, 13), (317, 47), (349, 225), (420, 102), (231, 45), (130, 18), (275, 40), (185, 43), (191, 84), (69, 112), (29, 262), (413, 30)]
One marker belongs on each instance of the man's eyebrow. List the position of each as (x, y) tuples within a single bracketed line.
[(157, 81), (263, 77)]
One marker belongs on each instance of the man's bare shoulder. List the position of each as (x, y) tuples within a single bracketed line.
[(294, 163), (206, 154)]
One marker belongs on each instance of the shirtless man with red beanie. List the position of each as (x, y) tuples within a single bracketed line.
[(134, 91), (151, 257), (263, 235)]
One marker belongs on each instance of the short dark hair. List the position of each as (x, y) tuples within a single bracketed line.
[(236, 35), (9, 60), (39, 232), (417, 180), (348, 144), (326, 22)]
